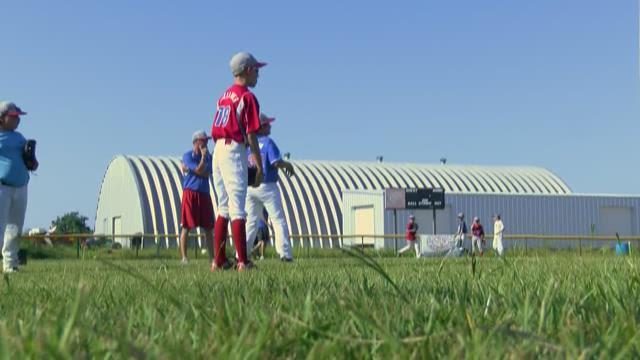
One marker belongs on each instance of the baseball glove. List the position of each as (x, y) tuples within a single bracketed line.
[(29, 155), (252, 176)]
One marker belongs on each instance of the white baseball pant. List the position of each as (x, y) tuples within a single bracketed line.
[(411, 244), (460, 240), (267, 195), (230, 178), (476, 242), (13, 206), (497, 244)]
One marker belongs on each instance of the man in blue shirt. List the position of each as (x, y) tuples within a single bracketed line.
[(197, 207), (267, 195), (14, 178)]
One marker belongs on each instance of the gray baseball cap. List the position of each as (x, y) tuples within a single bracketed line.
[(9, 108), (200, 134), (242, 61)]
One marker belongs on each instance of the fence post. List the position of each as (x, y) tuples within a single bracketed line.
[(395, 243), (78, 246), (363, 244), (580, 246), (395, 230)]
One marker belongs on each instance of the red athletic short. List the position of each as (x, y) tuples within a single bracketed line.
[(197, 210)]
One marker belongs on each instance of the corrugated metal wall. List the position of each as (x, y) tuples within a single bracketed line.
[(544, 214), (533, 214), (521, 214)]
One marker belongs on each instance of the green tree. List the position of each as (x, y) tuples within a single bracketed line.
[(71, 223)]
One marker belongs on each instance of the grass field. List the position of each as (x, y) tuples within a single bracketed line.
[(554, 305)]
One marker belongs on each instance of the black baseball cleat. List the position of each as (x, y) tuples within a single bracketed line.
[(286, 259)]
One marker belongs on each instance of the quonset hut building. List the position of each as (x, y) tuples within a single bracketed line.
[(141, 194)]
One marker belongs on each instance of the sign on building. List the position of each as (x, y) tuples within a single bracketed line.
[(417, 198), (414, 198), (394, 199)]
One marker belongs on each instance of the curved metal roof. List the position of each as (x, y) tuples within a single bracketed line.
[(313, 198)]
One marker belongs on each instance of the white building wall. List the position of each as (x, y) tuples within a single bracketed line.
[(119, 202), (354, 199)]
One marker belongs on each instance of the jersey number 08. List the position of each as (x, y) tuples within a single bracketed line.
[(222, 116)]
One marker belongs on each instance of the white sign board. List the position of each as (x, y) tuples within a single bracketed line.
[(438, 245), (394, 198)]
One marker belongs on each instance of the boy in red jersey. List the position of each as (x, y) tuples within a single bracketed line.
[(477, 232), (234, 127), (411, 238)]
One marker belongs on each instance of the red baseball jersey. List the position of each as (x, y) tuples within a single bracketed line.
[(236, 107), (412, 228), (477, 230)]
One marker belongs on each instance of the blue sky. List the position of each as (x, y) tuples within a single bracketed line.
[(548, 83)]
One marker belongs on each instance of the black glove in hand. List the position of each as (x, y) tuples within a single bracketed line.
[(29, 155)]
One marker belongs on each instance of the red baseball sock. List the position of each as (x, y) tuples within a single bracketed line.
[(240, 239), (220, 240)]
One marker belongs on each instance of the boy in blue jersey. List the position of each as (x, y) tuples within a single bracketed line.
[(267, 195), (197, 207), (14, 178)]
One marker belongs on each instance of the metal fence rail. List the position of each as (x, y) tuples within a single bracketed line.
[(525, 238), (298, 239)]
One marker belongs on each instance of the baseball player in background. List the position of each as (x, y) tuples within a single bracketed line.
[(14, 179), (498, 230), (477, 233), (197, 207), (461, 233), (410, 236), (234, 127), (267, 195)]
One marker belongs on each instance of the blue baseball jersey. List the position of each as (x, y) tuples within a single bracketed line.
[(13, 171), (270, 155), (191, 180)]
